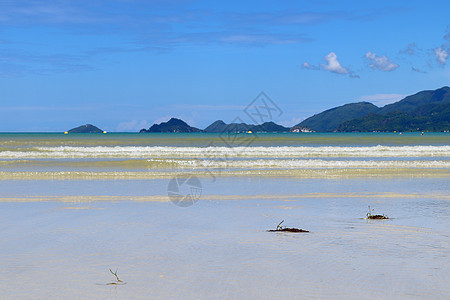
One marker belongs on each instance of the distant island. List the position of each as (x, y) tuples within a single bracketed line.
[(221, 126), (173, 125), (177, 125), (88, 128), (423, 111)]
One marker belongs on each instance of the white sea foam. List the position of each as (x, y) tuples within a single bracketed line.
[(227, 152), (309, 164)]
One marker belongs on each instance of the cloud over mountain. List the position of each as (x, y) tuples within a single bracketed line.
[(333, 65), (441, 55), (382, 63)]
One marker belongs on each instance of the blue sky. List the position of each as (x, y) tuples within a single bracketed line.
[(125, 64)]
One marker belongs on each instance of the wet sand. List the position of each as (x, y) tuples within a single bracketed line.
[(72, 207), (61, 241)]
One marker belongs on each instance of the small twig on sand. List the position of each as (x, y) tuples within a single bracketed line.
[(117, 277)]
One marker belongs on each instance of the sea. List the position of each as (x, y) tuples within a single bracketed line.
[(185, 215)]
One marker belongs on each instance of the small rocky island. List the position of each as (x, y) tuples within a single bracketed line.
[(87, 128), (173, 125)]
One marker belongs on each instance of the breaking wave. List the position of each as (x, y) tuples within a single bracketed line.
[(149, 152)]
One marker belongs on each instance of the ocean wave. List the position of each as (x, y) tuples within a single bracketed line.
[(224, 152), (217, 164), (309, 164)]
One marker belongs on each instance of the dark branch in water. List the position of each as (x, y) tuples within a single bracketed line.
[(279, 227), (285, 229), (375, 217)]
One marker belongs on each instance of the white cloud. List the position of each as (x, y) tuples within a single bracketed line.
[(418, 70), (133, 125), (441, 55), (262, 39), (289, 123), (381, 63), (307, 65), (382, 99), (194, 107), (45, 108), (334, 65), (411, 49), (447, 34)]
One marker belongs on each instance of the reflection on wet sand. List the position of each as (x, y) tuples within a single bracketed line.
[(165, 198)]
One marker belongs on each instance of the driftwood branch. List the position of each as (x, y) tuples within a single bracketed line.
[(115, 274), (375, 217), (286, 229)]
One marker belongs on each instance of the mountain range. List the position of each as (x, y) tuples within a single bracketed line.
[(330, 119), (221, 126), (423, 111), (177, 125)]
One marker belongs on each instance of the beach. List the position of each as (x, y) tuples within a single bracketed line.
[(186, 216)]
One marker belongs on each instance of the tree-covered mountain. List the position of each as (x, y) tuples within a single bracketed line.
[(424, 111), (220, 126), (177, 125), (425, 99), (217, 126), (173, 125), (330, 119), (269, 127), (88, 128)]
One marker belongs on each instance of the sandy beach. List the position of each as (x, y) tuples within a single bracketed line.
[(61, 235), (219, 248)]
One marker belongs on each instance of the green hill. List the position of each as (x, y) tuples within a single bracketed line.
[(269, 127), (217, 126), (436, 119), (220, 126), (88, 128), (330, 119), (424, 111), (173, 125), (424, 99)]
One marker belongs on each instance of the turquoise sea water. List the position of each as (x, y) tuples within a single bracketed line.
[(73, 206), (220, 139), (92, 156)]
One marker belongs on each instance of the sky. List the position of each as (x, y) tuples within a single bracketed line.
[(123, 65)]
